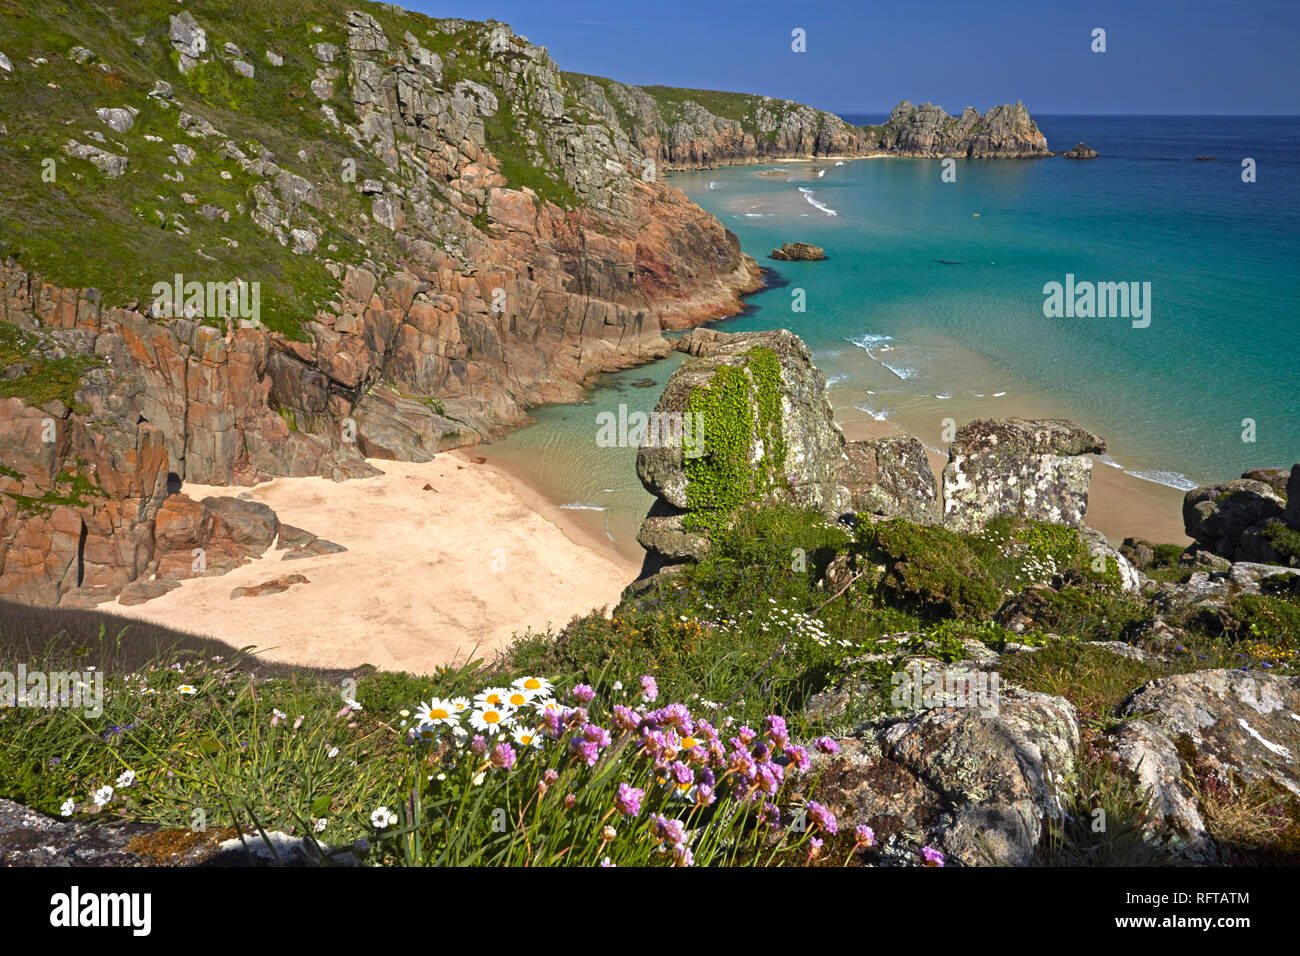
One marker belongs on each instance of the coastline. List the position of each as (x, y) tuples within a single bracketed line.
[(430, 578)]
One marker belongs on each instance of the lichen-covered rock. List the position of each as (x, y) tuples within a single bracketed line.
[(891, 476), (752, 426), (30, 838), (1035, 468), (1234, 726), (973, 784), (188, 39)]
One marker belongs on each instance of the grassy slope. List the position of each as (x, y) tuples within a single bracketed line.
[(745, 633)]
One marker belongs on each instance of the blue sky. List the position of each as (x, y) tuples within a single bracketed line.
[(1162, 56)]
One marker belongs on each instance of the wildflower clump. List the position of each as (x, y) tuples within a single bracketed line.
[(523, 775)]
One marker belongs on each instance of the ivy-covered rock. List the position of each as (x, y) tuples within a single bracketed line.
[(747, 423)]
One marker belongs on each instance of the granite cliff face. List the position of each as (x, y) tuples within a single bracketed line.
[(497, 248), (701, 129)]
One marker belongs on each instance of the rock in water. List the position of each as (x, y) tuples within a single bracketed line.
[(928, 131), (1035, 468), (1082, 151), (799, 251)]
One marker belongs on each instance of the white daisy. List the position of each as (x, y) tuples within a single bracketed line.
[(187, 690), (518, 698), (493, 697), (527, 737), (437, 712), (492, 720), (538, 685)]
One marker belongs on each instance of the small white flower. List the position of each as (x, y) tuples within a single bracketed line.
[(333, 752), (68, 806), (382, 818), (126, 779), (319, 825), (103, 795)]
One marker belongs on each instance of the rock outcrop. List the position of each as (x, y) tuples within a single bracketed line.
[(676, 131), (1254, 518), (1036, 468), (974, 774), (769, 436), (799, 251), (928, 131), (30, 838), (892, 477), (1082, 151), (753, 426), (1223, 727)]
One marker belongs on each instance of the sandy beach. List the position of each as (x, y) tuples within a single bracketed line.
[(430, 577)]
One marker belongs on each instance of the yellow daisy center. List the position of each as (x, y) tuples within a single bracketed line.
[(438, 714), (688, 743), (494, 698), (532, 683), (518, 699), (491, 717)]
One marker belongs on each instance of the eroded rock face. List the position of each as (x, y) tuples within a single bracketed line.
[(1030, 467), (891, 476), (1230, 725)]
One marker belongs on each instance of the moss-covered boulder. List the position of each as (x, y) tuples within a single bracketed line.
[(747, 423)]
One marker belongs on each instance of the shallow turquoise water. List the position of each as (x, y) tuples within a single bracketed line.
[(925, 310)]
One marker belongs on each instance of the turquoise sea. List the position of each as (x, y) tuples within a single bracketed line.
[(930, 303)]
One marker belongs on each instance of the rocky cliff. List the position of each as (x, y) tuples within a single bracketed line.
[(242, 244), (431, 232), (701, 129)]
